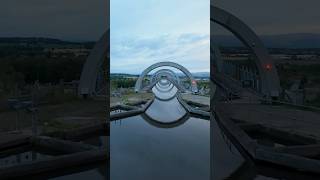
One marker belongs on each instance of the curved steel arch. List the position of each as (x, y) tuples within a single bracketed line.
[(177, 85), (164, 72), (270, 84), (170, 87), (170, 64), (90, 70)]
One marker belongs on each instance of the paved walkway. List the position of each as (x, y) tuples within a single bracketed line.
[(196, 98), (284, 118)]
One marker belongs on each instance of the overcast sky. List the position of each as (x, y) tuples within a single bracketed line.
[(148, 31), (87, 19), (63, 19), (275, 16)]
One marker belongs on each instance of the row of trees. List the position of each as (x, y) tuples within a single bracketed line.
[(122, 82), (43, 69), (19, 71)]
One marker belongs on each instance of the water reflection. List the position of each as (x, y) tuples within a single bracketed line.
[(91, 171), (161, 124), (102, 141), (166, 111), (22, 157), (27, 155), (140, 150), (98, 173)]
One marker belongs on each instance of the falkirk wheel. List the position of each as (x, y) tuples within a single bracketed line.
[(164, 83), (166, 87), (270, 84), (170, 77), (90, 72)]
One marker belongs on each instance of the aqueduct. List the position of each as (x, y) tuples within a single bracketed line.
[(166, 87)]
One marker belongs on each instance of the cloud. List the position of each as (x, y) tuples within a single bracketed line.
[(135, 54), (159, 30)]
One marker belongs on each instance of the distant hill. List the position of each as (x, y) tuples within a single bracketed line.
[(123, 75), (31, 40), (40, 41), (301, 40), (201, 74), (196, 74)]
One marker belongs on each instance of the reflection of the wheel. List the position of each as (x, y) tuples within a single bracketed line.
[(160, 124)]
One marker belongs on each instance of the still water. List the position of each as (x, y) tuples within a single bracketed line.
[(98, 171), (26, 156), (166, 111), (141, 150)]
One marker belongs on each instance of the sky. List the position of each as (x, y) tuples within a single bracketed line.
[(148, 31), (80, 20), (145, 31), (267, 17), (87, 19)]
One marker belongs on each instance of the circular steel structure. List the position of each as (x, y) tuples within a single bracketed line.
[(138, 86), (90, 70), (165, 72), (270, 81), (269, 77)]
